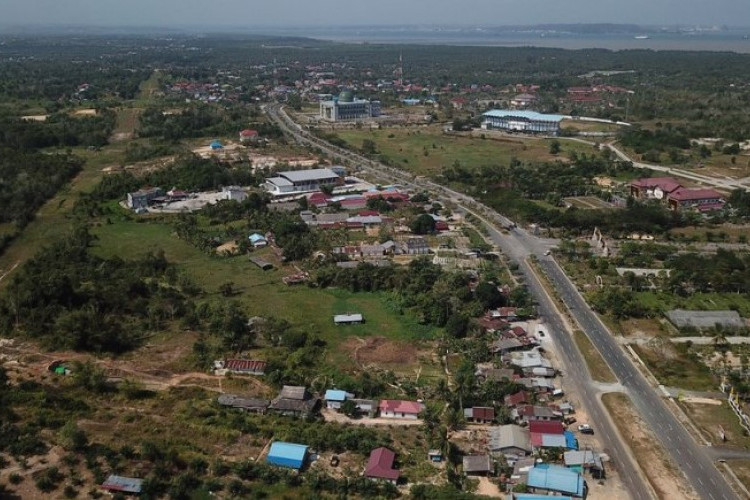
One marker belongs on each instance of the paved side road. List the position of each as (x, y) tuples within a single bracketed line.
[(691, 458)]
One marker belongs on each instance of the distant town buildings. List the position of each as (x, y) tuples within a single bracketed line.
[(677, 197)]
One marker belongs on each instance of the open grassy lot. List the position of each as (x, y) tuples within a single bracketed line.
[(673, 366), (426, 150), (708, 418), (665, 301), (725, 233), (263, 293)]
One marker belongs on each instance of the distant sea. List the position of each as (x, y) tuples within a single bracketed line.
[(731, 40)]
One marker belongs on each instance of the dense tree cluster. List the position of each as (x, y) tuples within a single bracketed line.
[(201, 120), (70, 299), (59, 130)]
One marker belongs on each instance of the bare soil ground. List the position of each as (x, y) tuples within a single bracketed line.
[(334, 416), (656, 465), (381, 352)]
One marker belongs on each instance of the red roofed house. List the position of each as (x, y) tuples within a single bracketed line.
[(248, 136), (441, 225), (319, 199), (380, 465), (653, 187), (700, 199), (390, 408), (552, 427), (519, 398), (479, 414), (459, 102)]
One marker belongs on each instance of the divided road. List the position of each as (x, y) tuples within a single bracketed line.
[(518, 244)]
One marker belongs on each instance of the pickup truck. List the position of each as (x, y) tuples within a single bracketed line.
[(585, 429)]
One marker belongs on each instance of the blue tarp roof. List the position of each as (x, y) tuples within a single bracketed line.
[(289, 451), (556, 478), (570, 440), (528, 115), (255, 237), (335, 395), (531, 496), (216, 144)]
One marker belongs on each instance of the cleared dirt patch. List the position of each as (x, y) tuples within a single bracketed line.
[(662, 474), (381, 351)]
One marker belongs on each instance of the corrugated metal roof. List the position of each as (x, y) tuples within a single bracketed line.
[(527, 115), (335, 395), (348, 318), (309, 175), (289, 451), (556, 478), (124, 484)]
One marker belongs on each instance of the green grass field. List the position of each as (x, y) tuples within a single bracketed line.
[(425, 151), (262, 292)]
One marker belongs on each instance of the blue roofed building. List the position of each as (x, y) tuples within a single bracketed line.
[(287, 455), (558, 479), (521, 121), (335, 398), (571, 442), (257, 240), (216, 144), (532, 496)]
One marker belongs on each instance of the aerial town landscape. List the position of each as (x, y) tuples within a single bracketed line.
[(247, 265)]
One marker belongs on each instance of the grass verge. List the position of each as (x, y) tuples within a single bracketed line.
[(598, 368), (658, 468)]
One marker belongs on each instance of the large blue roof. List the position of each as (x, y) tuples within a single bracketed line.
[(531, 496), (289, 451), (556, 478), (528, 115)]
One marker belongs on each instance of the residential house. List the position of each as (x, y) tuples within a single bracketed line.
[(335, 398), (249, 136), (479, 414), (509, 314), (532, 413), (651, 188), (503, 346), (409, 410), (517, 399), (366, 406), (380, 465), (585, 460), (521, 470), (247, 404), (290, 455), (539, 384), (234, 193), (547, 427), (293, 401), (703, 200), (528, 360), (498, 374), (141, 199), (523, 101), (511, 441), (435, 456), (416, 246), (556, 479), (477, 465)]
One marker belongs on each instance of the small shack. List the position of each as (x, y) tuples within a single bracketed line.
[(123, 484), (348, 319), (288, 455), (263, 264)]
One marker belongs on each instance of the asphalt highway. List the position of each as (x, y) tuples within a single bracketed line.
[(518, 244)]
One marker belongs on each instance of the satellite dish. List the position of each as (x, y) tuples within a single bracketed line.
[(658, 194)]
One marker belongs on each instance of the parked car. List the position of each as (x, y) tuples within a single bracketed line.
[(569, 420), (585, 429)]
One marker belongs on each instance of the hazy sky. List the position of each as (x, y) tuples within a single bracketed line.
[(359, 12)]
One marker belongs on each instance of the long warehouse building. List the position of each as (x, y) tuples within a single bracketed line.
[(522, 121)]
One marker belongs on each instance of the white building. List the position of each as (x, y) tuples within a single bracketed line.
[(234, 193), (522, 121), (346, 107), (301, 181)]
